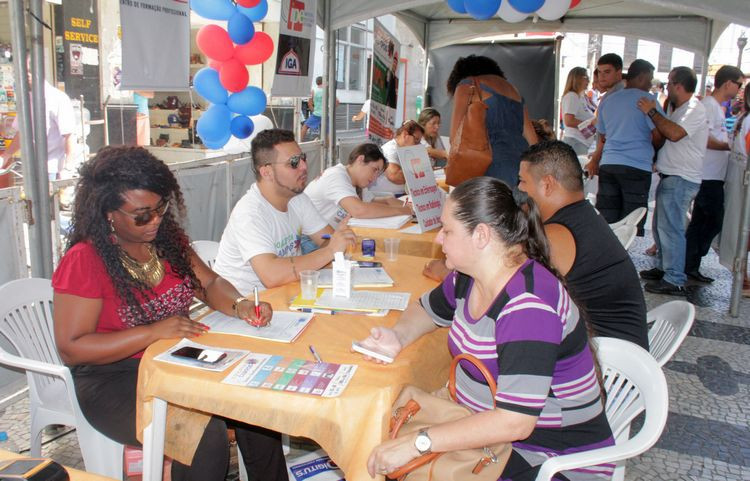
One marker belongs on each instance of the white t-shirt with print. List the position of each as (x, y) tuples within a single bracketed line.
[(684, 158), (715, 162), (573, 103), (255, 227), (382, 184), (327, 191)]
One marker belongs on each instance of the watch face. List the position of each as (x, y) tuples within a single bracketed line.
[(423, 442)]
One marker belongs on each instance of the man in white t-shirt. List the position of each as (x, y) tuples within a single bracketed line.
[(260, 245), (680, 166), (708, 208), (392, 179)]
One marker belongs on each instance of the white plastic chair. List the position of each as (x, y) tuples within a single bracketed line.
[(625, 234), (207, 250), (634, 382), (671, 324), (26, 320), (631, 219)]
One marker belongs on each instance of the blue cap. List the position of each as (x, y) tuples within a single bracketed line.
[(3, 436)]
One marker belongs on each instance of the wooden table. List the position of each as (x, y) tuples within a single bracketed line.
[(347, 427), (419, 245), (74, 474)]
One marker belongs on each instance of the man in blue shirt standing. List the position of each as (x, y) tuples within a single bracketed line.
[(626, 136)]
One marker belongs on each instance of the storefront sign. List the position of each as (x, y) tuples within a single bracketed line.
[(155, 44), (426, 196), (384, 96), (296, 38)]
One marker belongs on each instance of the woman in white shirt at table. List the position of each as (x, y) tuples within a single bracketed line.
[(337, 193), (392, 180), (575, 111)]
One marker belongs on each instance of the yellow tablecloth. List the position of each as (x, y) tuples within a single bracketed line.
[(74, 474), (347, 427), (420, 245)]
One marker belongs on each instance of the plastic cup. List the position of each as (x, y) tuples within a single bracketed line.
[(391, 248), (308, 283)]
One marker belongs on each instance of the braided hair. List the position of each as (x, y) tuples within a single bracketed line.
[(486, 200), (103, 181)]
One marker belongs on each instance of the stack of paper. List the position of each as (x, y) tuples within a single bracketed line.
[(393, 222), (360, 301), (284, 326), (361, 277)]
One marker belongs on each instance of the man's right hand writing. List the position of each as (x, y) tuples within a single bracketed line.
[(177, 327)]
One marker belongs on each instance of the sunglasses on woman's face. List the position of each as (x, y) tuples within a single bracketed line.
[(144, 218)]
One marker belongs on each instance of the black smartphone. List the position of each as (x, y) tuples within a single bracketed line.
[(209, 356), (369, 264)]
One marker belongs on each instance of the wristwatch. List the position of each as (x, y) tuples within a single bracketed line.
[(651, 113), (423, 443)]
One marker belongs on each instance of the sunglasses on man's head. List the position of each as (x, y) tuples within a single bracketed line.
[(293, 161), (143, 218)]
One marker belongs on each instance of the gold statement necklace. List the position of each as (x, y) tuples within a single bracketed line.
[(150, 272)]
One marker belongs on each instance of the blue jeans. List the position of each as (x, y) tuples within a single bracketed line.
[(673, 198)]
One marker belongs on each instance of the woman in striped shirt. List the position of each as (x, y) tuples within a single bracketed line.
[(504, 305)]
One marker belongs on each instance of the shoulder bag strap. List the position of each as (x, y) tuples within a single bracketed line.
[(478, 364)]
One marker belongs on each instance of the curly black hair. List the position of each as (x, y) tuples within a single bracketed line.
[(471, 66), (104, 180)]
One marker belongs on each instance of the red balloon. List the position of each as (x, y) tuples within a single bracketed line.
[(214, 64), (574, 3), (250, 3), (215, 43), (233, 75), (256, 51)]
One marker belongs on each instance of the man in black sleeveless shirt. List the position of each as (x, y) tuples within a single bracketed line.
[(599, 275)]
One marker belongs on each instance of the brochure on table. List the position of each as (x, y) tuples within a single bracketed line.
[(278, 373), (359, 302), (423, 189), (361, 277), (284, 326)]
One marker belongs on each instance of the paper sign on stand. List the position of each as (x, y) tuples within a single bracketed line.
[(426, 196)]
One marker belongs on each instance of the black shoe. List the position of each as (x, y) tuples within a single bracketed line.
[(663, 287), (654, 274), (697, 276)]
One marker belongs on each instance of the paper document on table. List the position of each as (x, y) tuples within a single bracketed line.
[(266, 371), (361, 277), (368, 300), (412, 229), (231, 356), (285, 326), (392, 222)]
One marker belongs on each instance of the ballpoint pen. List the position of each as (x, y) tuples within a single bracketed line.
[(257, 305), (315, 354)]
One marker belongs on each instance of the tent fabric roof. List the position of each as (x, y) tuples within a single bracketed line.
[(685, 23)]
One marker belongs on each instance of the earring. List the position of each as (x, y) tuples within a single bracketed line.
[(112, 236)]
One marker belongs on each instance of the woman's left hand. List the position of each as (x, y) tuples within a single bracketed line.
[(246, 311), (391, 454)]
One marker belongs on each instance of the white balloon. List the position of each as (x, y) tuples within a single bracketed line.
[(553, 9), (510, 14), (237, 146), (261, 122)]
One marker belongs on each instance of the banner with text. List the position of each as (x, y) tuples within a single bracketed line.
[(384, 94), (155, 44), (426, 196), (296, 42)]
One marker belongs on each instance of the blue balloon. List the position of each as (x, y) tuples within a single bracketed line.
[(241, 127), (457, 5), (526, 6), (217, 144), (482, 9), (213, 125), (256, 13), (249, 101), (214, 9), (240, 28), (208, 86)]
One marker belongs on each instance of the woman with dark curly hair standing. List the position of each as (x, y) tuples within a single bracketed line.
[(127, 279), (509, 129)]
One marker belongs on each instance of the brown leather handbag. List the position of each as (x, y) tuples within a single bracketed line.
[(416, 409), (470, 153)]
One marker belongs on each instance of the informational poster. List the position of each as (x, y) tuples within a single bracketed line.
[(155, 44), (384, 95), (296, 39), (426, 196)]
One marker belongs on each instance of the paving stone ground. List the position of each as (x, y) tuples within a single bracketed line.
[(707, 436)]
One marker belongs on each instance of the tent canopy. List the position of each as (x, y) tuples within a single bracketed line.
[(688, 24)]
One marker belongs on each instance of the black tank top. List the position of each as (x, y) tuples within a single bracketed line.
[(603, 282)]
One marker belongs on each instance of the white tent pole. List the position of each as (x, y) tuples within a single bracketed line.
[(558, 66), (426, 72), (706, 53), (329, 135)]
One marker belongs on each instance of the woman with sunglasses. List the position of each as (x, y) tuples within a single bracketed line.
[(392, 182), (126, 280)]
